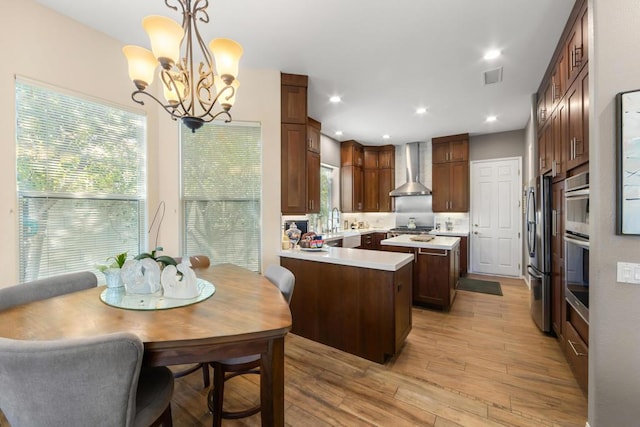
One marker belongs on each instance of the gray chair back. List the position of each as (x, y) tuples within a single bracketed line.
[(79, 382), (283, 279), (46, 288)]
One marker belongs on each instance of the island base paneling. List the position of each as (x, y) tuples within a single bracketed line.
[(362, 311)]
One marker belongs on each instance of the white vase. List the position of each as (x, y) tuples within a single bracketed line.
[(114, 280)]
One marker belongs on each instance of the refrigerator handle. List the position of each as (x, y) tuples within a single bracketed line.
[(532, 272)]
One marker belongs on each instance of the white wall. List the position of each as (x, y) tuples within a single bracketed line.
[(42, 45), (498, 145), (614, 342)]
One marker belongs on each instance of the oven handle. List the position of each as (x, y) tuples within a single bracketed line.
[(575, 241)]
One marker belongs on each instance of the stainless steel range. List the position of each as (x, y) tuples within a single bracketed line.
[(419, 229)]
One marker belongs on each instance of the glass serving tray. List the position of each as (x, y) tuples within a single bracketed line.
[(117, 297)]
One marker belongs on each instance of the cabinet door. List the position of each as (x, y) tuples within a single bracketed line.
[(577, 115), (441, 187), (346, 189), (459, 190), (541, 106), (371, 190), (459, 151), (371, 157), (386, 179), (431, 281), (358, 155), (358, 189), (293, 104), (313, 136), (559, 135), (575, 50), (558, 80), (464, 255), (293, 172), (313, 182), (440, 152), (402, 304), (545, 144), (387, 157), (557, 256)]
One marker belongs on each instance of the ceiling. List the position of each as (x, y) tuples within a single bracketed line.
[(385, 59)]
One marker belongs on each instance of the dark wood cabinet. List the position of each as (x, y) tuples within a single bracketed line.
[(367, 177), (299, 149), (313, 182), (313, 135), (450, 183), (559, 145), (293, 158), (435, 275), (464, 255), (545, 149), (557, 257), (577, 149), (351, 177), (379, 178), (362, 311), (576, 348), (371, 241), (577, 49), (450, 173), (293, 98)]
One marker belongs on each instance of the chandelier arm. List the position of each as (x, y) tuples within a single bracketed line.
[(180, 2), (168, 108), (169, 81), (219, 113), (215, 100), (200, 11)]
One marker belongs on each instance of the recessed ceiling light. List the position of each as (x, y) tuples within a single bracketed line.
[(338, 133), (492, 54), (335, 99), (491, 119), (385, 137), (421, 110)]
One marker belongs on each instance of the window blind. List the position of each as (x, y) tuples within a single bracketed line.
[(81, 171), (221, 193)]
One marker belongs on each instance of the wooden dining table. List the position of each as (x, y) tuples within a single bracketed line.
[(246, 315)]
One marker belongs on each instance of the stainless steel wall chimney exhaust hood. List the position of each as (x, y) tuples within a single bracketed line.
[(412, 187)]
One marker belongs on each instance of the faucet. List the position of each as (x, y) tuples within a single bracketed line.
[(335, 220)]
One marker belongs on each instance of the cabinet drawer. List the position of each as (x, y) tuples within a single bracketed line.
[(577, 354)]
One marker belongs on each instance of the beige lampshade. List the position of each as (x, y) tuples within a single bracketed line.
[(142, 65), (170, 93), (166, 36), (226, 54)]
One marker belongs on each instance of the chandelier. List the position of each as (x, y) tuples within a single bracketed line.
[(191, 91)]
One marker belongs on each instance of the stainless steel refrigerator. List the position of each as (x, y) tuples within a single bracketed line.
[(538, 218)]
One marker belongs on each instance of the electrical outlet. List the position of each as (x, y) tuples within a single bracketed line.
[(628, 272)]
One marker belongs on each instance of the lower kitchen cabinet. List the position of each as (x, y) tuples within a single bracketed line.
[(435, 275), (362, 311), (576, 349), (371, 241)]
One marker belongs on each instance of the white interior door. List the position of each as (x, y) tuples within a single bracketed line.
[(496, 223)]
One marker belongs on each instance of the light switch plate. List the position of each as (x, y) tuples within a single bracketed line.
[(628, 272)]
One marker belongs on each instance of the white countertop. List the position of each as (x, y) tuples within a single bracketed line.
[(376, 260), (438, 242), (342, 234), (457, 233)]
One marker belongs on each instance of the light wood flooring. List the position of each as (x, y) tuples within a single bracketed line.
[(482, 364)]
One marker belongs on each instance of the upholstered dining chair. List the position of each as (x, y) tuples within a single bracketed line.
[(96, 381), (46, 288), (197, 261), (285, 281)]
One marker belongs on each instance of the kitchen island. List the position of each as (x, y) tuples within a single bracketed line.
[(355, 300), (436, 267)]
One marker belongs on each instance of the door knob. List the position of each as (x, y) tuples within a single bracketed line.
[(475, 232)]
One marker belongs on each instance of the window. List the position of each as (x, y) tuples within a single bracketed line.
[(81, 181), (329, 193), (221, 188)]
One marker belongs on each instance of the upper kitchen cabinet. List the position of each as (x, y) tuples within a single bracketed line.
[(379, 178), (454, 148), (313, 135), (351, 176), (577, 149), (293, 98), (576, 45), (299, 150), (450, 173)]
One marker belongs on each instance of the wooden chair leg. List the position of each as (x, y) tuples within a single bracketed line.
[(216, 395), (205, 375)]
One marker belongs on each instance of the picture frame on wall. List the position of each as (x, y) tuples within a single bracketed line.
[(628, 168)]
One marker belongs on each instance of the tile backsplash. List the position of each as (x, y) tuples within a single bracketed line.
[(460, 220)]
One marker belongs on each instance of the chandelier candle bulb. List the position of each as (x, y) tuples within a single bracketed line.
[(166, 36), (142, 65), (226, 54)]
